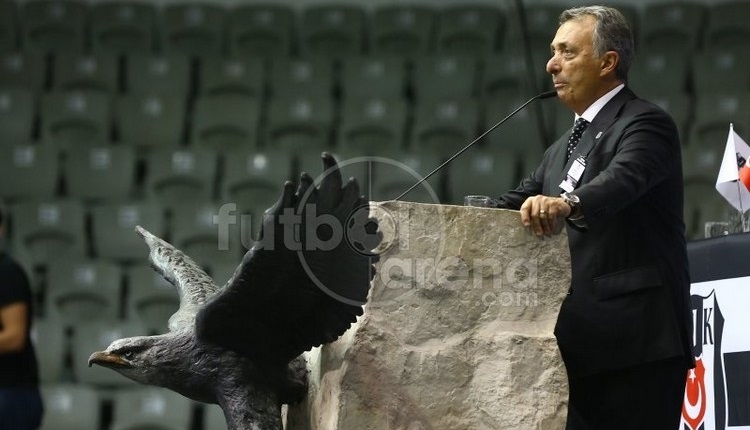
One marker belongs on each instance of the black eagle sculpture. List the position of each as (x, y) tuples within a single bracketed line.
[(301, 285)]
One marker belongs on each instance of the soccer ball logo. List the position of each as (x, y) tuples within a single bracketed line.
[(362, 231)]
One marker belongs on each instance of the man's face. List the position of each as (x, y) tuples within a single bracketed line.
[(576, 71)]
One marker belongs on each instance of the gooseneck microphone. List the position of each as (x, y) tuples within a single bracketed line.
[(544, 95)]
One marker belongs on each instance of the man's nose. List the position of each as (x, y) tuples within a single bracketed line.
[(552, 66)]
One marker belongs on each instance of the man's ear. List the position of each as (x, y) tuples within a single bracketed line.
[(610, 60)]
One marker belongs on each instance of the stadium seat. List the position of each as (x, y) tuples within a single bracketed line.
[(151, 299), (370, 125), (261, 30), (180, 175), (662, 71), (295, 77), (373, 76), (78, 72), (51, 346), (524, 132), (721, 71), (76, 118), (714, 113), (295, 123), (443, 126), (704, 204), (701, 163), (207, 232), (17, 115), (507, 74), (194, 29), (213, 418), (54, 25), (71, 406), (541, 25), (482, 171), (728, 26), (395, 172), (437, 76), (220, 76), (100, 173), (122, 27), (332, 30), (113, 229), (48, 229), (226, 123), (402, 29), (150, 120), (254, 179), (474, 29), (89, 337), (8, 26), (679, 106), (158, 73), (673, 26), (82, 290), (27, 70), (351, 165), (151, 408), (28, 172)]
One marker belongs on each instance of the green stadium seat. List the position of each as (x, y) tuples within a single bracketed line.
[(542, 20), (151, 408), (714, 113), (295, 77), (27, 70), (402, 29), (221, 76), (674, 26), (332, 30), (18, 112), (721, 71), (226, 122), (474, 29), (96, 336), (373, 76), (482, 171), (521, 133), (213, 418), (679, 106), (48, 230), (100, 173), (76, 118), (78, 72), (443, 126), (199, 229), (81, 290), (122, 27), (113, 229), (8, 26), (28, 172), (507, 75), (659, 71), (296, 123), (70, 406), (701, 163), (395, 172), (728, 26), (158, 73), (175, 176), (51, 345), (54, 25), (194, 29), (254, 179), (151, 299), (369, 125), (261, 30), (150, 120), (438, 76)]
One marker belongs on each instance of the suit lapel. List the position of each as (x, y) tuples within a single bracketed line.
[(595, 131)]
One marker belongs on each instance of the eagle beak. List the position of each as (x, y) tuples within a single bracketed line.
[(103, 358)]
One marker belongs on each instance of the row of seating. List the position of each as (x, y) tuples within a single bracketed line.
[(82, 407), (338, 28), (366, 125)]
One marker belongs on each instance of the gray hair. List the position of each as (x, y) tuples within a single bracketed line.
[(611, 33)]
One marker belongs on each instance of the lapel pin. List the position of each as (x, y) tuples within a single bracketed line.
[(598, 135)]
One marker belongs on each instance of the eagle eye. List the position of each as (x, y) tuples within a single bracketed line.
[(128, 355)]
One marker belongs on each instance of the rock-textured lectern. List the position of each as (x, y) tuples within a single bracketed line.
[(457, 333)]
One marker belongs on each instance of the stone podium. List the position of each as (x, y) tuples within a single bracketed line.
[(457, 333)]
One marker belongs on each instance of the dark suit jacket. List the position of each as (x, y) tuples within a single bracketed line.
[(629, 297)]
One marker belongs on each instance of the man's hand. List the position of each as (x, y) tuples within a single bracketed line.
[(545, 215)]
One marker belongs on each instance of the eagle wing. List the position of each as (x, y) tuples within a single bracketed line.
[(193, 285), (301, 284)]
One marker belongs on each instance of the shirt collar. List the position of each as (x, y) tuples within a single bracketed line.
[(590, 113)]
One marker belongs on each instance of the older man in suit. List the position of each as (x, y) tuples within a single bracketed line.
[(615, 180)]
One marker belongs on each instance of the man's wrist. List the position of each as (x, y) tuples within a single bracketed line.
[(574, 202)]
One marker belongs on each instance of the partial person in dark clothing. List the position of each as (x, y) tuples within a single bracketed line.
[(615, 181), (20, 400)]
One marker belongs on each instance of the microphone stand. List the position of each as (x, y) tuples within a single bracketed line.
[(544, 95)]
